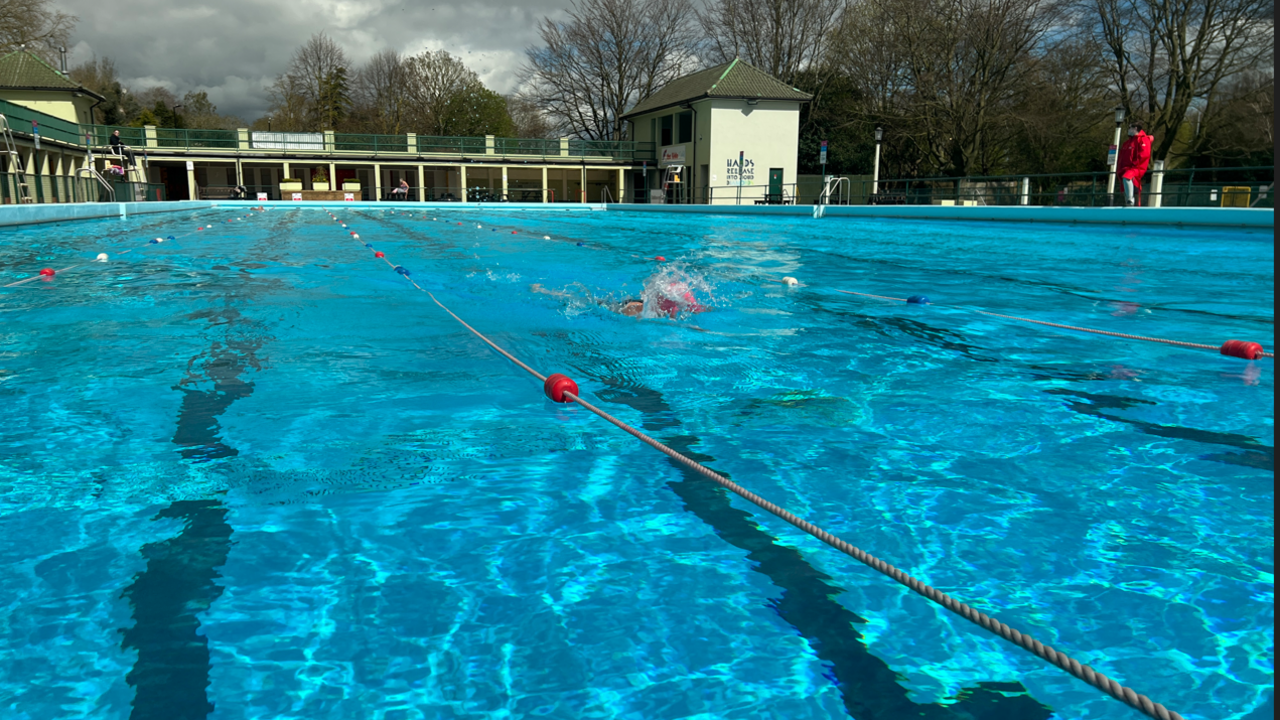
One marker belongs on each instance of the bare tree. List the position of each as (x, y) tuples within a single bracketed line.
[(434, 80), (1062, 118), (528, 120), (781, 37), (100, 76), (1168, 56), (1239, 127), (318, 70), (35, 25), (606, 57), (288, 109), (946, 74), (380, 95)]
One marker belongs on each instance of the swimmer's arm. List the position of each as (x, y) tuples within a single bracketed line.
[(537, 287)]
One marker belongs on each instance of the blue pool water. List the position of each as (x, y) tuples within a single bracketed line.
[(252, 473)]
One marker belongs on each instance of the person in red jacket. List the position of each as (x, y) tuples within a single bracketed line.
[(1132, 161)]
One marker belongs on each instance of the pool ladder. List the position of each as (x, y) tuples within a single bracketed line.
[(91, 171), (11, 149)]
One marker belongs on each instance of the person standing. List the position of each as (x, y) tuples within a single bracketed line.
[(1132, 162)]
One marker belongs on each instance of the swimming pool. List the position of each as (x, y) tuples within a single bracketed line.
[(251, 473)]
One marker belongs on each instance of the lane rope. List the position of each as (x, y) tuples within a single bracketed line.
[(1253, 351), (560, 388), (104, 257), (1231, 348)]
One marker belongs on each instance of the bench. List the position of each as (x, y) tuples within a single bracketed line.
[(774, 199), (216, 193), (887, 199)]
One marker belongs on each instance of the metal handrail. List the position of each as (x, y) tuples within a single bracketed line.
[(834, 184), (604, 193), (93, 172)]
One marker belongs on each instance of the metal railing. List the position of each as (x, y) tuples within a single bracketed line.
[(832, 187), (1182, 187), (91, 173), (162, 138), (194, 139), (51, 128), (313, 143), (414, 194)]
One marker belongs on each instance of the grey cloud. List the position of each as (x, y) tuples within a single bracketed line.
[(234, 48)]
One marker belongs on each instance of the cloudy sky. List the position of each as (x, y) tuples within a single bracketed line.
[(233, 48)]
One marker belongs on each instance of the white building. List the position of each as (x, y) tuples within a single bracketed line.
[(724, 135)]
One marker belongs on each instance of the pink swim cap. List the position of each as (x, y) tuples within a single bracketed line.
[(671, 308)]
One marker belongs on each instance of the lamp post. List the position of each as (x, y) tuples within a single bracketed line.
[(1114, 159), (268, 123), (875, 168)]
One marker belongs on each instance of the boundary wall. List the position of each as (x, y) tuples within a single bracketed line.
[(11, 215)]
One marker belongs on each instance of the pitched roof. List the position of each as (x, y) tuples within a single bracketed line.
[(735, 80), (22, 69)]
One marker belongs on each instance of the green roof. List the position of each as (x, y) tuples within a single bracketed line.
[(22, 69), (734, 80)]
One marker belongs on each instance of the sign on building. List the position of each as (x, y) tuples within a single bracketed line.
[(672, 155), (297, 196), (740, 171), (287, 141), (262, 196)]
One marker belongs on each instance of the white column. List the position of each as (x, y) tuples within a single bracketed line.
[(193, 193), (504, 181), (462, 180), (1111, 174), (875, 173), (377, 182), (1157, 184), (1026, 192), (622, 182), (544, 183)]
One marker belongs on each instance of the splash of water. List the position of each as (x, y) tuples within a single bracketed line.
[(676, 291)]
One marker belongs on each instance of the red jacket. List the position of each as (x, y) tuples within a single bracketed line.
[(1135, 155)]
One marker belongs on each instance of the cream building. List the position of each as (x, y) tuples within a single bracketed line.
[(724, 135), (28, 81)]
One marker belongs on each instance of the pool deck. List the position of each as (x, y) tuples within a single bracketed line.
[(1180, 216)]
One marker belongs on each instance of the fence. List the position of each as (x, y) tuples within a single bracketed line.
[(51, 128), (50, 189), (1183, 187), (365, 143)]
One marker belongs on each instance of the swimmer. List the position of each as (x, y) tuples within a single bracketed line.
[(672, 298)]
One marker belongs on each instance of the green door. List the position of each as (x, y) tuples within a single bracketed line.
[(775, 181)]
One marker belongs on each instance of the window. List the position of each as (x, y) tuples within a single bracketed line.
[(666, 129), (685, 121)]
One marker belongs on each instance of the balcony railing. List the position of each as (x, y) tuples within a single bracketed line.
[(334, 143)]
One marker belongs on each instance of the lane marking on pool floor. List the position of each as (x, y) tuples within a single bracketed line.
[(50, 273), (562, 389)]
